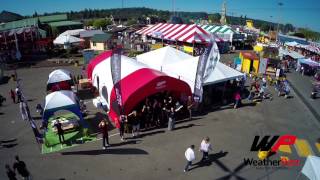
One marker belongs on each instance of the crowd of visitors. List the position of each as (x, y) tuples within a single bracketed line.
[(154, 112)]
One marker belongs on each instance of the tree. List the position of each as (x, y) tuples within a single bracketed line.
[(214, 18), (35, 14), (131, 22), (89, 23), (288, 28), (265, 27), (101, 23)]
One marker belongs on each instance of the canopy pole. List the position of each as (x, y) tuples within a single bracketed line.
[(16, 41), (5, 39), (223, 92), (193, 48)]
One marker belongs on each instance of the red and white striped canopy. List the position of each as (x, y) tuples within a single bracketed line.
[(177, 32)]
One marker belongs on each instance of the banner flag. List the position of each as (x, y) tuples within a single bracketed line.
[(206, 64), (116, 77)]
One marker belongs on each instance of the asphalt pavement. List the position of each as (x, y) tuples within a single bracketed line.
[(159, 154), (303, 86)]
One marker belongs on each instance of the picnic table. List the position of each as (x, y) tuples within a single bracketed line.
[(66, 124)]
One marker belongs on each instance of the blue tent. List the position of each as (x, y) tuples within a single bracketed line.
[(62, 100)]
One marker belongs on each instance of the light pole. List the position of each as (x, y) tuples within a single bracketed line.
[(270, 23), (280, 4)]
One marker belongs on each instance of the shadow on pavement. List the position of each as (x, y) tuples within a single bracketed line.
[(119, 151), (212, 158), (187, 120), (8, 143), (186, 126), (4, 80), (37, 118), (126, 142), (151, 133)]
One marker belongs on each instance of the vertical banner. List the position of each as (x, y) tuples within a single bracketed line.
[(263, 63), (206, 64), (116, 77), (198, 90)]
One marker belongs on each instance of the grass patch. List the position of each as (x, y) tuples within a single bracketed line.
[(72, 138)]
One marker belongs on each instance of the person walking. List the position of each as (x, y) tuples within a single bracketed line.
[(19, 95), (190, 106), (135, 123), (13, 96), (205, 147), (21, 167), (60, 131), (122, 121), (103, 125), (10, 173), (39, 109), (171, 119), (237, 98), (190, 156)]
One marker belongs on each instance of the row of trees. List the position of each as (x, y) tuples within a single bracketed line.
[(98, 23), (133, 15)]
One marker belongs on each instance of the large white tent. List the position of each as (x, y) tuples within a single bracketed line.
[(222, 73), (293, 54), (183, 66), (59, 75), (292, 43), (162, 57), (311, 168), (66, 39), (73, 32)]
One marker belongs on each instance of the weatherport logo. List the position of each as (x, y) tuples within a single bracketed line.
[(268, 147)]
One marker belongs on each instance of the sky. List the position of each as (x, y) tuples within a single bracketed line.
[(300, 13)]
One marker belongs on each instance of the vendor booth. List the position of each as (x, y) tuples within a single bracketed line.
[(62, 100), (223, 33), (250, 62), (59, 79), (308, 66), (138, 81), (188, 33)]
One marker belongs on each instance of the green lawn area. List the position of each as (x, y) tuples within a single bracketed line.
[(72, 138)]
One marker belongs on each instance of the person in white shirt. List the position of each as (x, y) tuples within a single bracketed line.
[(190, 156), (205, 147)]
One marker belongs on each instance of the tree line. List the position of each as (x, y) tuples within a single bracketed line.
[(102, 17)]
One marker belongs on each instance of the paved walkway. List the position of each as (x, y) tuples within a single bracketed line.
[(303, 86)]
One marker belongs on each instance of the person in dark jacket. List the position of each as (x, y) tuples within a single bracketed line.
[(103, 125), (60, 131), (21, 167)]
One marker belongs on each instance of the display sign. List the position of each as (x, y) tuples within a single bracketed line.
[(188, 49), (263, 65), (156, 46)]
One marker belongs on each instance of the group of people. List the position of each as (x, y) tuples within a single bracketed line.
[(205, 147), (20, 167), (157, 111), (154, 112)]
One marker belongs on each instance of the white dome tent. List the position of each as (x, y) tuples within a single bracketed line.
[(66, 40), (59, 77)]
